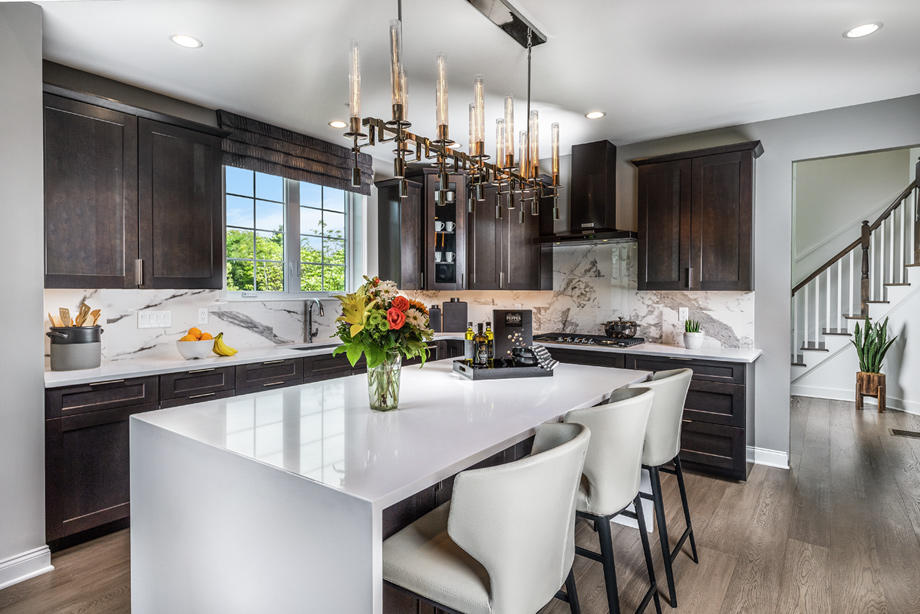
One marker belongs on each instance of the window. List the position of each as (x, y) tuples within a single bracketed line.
[(284, 236)]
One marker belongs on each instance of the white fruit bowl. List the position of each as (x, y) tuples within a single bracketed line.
[(195, 349)]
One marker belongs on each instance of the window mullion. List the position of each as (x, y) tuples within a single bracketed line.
[(292, 236)]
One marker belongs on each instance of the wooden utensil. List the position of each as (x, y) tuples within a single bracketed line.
[(55, 322), (65, 317), (82, 315), (94, 314)]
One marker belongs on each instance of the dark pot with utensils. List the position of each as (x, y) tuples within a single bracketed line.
[(620, 328)]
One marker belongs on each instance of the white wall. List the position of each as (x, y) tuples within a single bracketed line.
[(22, 480), (833, 196), (879, 125)]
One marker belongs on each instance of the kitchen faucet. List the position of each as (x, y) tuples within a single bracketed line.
[(309, 333)]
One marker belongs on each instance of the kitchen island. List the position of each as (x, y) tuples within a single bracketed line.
[(274, 501)]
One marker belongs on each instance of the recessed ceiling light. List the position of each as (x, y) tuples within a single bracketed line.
[(595, 114), (864, 30), (337, 123), (184, 40)]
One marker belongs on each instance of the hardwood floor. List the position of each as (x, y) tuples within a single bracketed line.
[(839, 532)]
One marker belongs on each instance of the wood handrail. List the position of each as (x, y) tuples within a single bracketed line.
[(878, 222), (826, 265)]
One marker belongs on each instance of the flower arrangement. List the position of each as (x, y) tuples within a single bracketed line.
[(376, 321)]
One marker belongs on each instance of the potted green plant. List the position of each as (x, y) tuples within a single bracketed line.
[(693, 335), (383, 326), (871, 343)]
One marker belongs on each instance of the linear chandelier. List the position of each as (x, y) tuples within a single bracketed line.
[(508, 177)]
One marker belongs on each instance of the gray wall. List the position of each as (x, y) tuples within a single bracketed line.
[(868, 127), (22, 515)]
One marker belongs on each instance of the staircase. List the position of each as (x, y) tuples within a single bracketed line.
[(866, 278)]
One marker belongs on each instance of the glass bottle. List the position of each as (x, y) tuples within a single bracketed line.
[(468, 348), (481, 347), (490, 342)]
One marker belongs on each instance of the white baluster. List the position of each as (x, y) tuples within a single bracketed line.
[(817, 308), (827, 297), (852, 277), (891, 276), (881, 261), (805, 316), (795, 323), (902, 210), (872, 276), (839, 265)]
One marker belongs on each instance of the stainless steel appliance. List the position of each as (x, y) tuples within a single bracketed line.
[(580, 339)]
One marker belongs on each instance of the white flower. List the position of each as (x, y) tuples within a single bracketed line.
[(386, 290), (415, 317)]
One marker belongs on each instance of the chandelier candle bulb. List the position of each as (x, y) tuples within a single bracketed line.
[(522, 152), (534, 155), (404, 92), (396, 70), (554, 128), (354, 82), (479, 103), (472, 149), (499, 141), (509, 133), (441, 93)]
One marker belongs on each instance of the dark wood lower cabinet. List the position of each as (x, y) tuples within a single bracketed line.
[(260, 376), (197, 385)]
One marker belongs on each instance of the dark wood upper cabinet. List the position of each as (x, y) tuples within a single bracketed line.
[(180, 212), (401, 251), (90, 195), (131, 200), (486, 240), (696, 212), (521, 252)]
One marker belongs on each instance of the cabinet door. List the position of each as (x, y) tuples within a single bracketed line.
[(180, 210), (401, 240), (450, 244), (485, 239), (269, 374), (86, 471), (664, 225), (521, 252), (90, 195), (327, 366), (197, 385), (721, 222)]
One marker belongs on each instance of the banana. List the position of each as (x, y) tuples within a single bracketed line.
[(221, 348)]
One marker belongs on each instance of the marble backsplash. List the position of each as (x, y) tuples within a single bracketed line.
[(592, 285)]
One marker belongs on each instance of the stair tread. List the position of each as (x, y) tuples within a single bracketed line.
[(855, 317), (798, 361), (811, 347), (836, 331), (880, 302), (895, 284)]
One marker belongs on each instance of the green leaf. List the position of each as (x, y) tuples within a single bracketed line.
[(354, 352)]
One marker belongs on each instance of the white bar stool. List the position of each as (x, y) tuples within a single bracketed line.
[(612, 474), (505, 542), (662, 449)]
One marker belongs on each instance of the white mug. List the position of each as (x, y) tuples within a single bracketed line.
[(438, 256), (450, 256), (449, 226), (438, 225)]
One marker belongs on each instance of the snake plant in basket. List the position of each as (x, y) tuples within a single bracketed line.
[(871, 343)]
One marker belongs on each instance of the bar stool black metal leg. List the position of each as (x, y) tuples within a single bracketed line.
[(663, 533), (647, 550), (602, 526), (572, 593), (683, 500)]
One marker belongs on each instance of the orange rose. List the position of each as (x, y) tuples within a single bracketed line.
[(395, 318), (401, 303)]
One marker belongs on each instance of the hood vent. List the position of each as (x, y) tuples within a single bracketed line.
[(592, 198)]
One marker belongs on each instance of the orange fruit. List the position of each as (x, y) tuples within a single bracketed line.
[(189, 338), (205, 336), (194, 332)]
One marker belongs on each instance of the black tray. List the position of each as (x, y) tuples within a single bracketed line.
[(482, 373)]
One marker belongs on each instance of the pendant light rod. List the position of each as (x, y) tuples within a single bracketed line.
[(529, 163)]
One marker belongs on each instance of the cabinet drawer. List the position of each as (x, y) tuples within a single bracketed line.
[(327, 366), (713, 448), (133, 393), (196, 384), (716, 403), (703, 370), (587, 357), (269, 374)]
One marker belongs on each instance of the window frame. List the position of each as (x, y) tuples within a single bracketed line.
[(291, 249)]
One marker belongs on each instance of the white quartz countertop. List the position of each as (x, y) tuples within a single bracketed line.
[(670, 351), (325, 431)]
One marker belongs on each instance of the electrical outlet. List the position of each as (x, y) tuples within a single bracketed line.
[(154, 319), (683, 314), (202, 315)]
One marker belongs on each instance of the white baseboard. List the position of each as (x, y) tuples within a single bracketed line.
[(848, 394), (767, 457), (25, 565)]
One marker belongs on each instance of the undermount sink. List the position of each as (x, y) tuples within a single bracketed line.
[(323, 346)]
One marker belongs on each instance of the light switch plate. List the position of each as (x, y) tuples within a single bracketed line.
[(683, 314), (202, 315), (154, 319)]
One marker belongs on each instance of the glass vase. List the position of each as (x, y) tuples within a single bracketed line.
[(383, 383)]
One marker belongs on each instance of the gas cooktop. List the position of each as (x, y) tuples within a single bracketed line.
[(580, 339)]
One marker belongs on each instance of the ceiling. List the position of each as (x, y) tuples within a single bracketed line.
[(657, 68)]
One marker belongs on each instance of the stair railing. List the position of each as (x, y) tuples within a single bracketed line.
[(825, 299)]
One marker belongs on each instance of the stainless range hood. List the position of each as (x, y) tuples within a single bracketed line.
[(592, 198)]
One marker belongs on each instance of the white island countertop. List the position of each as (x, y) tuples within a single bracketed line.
[(325, 431)]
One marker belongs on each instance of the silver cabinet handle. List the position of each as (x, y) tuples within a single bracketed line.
[(105, 383), (421, 281), (202, 395), (273, 362), (501, 279), (267, 384), (200, 371), (139, 272)]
